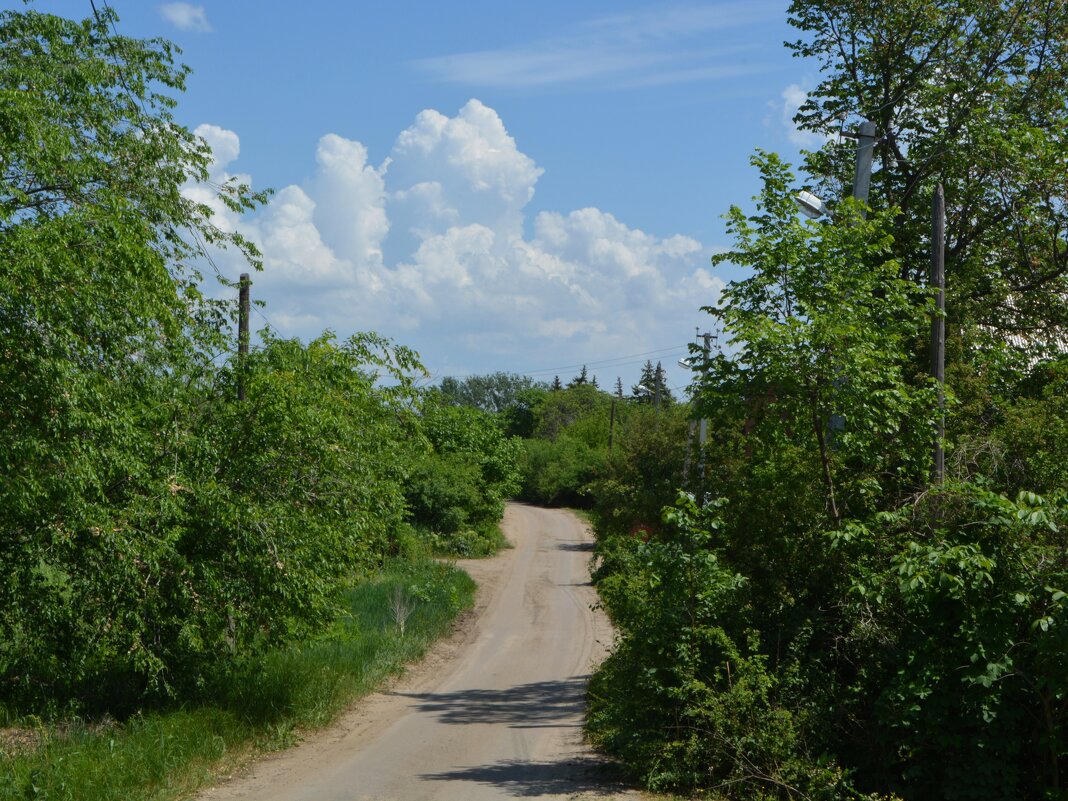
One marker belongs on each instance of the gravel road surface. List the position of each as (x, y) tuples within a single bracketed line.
[(495, 711)]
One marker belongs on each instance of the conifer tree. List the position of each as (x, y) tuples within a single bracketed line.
[(646, 384)]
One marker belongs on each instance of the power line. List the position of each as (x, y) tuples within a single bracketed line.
[(270, 325), (617, 361), (115, 54)]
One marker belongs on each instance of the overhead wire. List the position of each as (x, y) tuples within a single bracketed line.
[(616, 361)]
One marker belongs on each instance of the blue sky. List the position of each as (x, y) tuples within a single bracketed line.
[(501, 186)]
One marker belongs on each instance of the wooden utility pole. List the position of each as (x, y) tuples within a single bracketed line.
[(938, 325), (243, 309)]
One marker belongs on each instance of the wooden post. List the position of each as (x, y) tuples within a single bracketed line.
[(938, 325), (243, 309)]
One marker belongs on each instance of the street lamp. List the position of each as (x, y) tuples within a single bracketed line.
[(641, 389), (813, 207)]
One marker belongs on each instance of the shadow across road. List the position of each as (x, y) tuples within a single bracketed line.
[(541, 704), (574, 547), (582, 775)]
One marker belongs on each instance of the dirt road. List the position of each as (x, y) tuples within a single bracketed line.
[(494, 712)]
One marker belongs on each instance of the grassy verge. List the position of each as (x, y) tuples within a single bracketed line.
[(261, 705)]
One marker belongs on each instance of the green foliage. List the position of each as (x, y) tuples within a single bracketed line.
[(107, 345), (823, 330), (651, 387), (1016, 437), (568, 445), (583, 405), (645, 469), (557, 473), (255, 707), (969, 93), (518, 418), (153, 530), (568, 462), (456, 490), (880, 635), (965, 593), (230, 527), (686, 697), (494, 393)]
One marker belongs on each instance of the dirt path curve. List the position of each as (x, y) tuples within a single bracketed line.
[(494, 712)]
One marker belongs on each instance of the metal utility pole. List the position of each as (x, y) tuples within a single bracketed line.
[(702, 432), (938, 325), (243, 309), (865, 136)]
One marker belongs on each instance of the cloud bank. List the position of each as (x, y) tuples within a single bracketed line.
[(433, 247)]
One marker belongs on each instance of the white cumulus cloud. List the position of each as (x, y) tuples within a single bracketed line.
[(457, 170), (435, 248), (351, 212), (225, 145)]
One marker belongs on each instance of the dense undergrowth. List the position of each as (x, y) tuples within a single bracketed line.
[(258, 704)]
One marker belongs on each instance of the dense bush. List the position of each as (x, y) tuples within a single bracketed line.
[(687, 697), (567, 460), (211, 528), (456, 488), (558, 472)]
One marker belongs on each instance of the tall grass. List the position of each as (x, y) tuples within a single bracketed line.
[(260, 705)]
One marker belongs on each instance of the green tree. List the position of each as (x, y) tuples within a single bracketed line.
[(456, 490), (823, 327), (105, 335), (969, 93), (652, 386), (491, 393), (581, 379)]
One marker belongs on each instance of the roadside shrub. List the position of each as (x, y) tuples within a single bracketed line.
[(687, 705), (558, 472), (207, 529), (455, 490)]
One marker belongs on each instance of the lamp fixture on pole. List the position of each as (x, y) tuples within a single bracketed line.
[(813, 207)]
